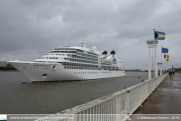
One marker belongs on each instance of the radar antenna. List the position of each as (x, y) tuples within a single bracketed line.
[(83, 44)]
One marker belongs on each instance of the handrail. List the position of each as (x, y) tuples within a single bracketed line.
[(121, 102)]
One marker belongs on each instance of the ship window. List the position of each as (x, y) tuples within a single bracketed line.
[(44, 74)]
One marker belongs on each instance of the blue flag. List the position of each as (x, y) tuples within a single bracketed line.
[(164, 50)]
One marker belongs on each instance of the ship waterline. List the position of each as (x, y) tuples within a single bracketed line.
[(71, 64)]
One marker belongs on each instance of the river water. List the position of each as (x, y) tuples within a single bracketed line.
[(49, 98)]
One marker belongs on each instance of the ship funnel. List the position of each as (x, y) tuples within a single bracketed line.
[(104, 53), (94, 48), (113, 52)]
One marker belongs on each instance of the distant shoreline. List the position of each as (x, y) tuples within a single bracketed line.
[(18, 71), (136, 71), (9, 71)]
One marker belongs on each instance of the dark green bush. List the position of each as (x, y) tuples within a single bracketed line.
[(7, 67)]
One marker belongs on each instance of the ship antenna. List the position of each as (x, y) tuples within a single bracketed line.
[(83, 43), (10, 55), (60, 44)]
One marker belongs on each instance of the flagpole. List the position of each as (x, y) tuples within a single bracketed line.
[(154, 35), (155, 58), (152, 53), (161, 54), (161, 58), (163, 65), (152, 64)]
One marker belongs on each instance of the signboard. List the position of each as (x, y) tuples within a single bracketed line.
[(152, 42), (159, 63)]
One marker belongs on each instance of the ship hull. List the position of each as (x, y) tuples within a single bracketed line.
[(46, 72)]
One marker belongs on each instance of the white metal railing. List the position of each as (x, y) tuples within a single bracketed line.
[(122, 102)]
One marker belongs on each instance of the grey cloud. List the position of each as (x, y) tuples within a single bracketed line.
[(31, 28)]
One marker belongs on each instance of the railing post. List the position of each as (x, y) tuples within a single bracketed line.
[(93, 113), (74, 117), (90, 114), (118, 107), (128, 104)]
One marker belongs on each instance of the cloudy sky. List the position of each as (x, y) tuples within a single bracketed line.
[(30, 28)]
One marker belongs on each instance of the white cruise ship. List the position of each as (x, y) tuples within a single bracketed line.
[(71, 63)]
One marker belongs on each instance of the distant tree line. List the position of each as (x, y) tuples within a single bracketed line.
[(178, 70), (7, 67)]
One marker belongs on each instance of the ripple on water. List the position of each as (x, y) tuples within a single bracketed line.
[(48, 98)]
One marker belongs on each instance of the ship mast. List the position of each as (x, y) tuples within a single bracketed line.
[(83, 43)]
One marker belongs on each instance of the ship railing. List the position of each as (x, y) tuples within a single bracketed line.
[(80, 67), (86, 56), (80, 62), (86, 53), (87, 68), (85, 61), (117, 106), (81, 53), (83, 58), (94, 61)]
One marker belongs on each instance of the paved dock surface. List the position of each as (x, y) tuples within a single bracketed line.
[(166, 99)]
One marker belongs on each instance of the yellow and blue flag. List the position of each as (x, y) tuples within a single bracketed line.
[(159, 35)]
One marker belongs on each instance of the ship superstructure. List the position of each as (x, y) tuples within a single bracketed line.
[(68, 63)]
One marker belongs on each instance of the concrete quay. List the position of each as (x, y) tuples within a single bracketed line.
[(165, 99)]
